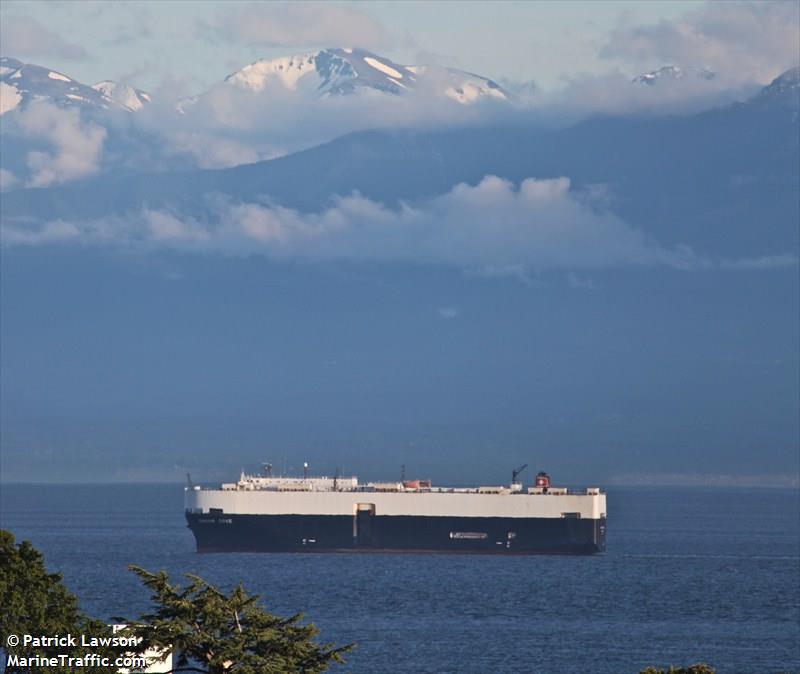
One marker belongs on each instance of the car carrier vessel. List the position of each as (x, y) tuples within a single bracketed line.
[(267, 513)]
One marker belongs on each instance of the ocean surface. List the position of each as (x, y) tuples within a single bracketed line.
[(710, 575)]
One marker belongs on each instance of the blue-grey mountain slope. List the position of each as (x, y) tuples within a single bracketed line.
[(724, 181)]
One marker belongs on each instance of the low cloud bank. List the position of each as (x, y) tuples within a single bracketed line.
[(494, 226), (230, 125), (71, 147)]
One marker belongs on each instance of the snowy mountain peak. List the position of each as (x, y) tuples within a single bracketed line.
[(287, 71), (783, 91), (348, 70), (128, 97), (787, 81), (671, 72), (8, 65), (462, 86), (329, 71), (22, 83)]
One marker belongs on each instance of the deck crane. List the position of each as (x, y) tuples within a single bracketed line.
[(517, 472)]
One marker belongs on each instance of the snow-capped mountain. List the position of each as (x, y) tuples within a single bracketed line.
[(128, 97), (786, 82), (344, 71), (460, 85), (21, 83), (782, 93), (672, 73)]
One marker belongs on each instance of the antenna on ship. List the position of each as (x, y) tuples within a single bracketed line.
[(305, 470), (403, 473), (336, 480), (268, 469), (189, 480)]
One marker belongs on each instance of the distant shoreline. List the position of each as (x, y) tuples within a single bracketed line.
[(780, 481)]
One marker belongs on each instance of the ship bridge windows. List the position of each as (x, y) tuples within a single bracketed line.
[(571, 516)]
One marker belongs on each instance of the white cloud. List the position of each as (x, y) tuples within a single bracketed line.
[(312, 24), (763, 262), (235, 122), (211, 150), (75, 146), (57, 231), (448, 313), (24, 36), (741, 41), (502, 271), (494, 226), (580, 283), (166, 227), (230, 125), (7, 179), (613, 93), (539, 224)]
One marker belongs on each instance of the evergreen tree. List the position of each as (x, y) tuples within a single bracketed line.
[(35, 602), (210, 631)]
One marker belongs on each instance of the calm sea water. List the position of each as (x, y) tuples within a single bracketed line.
[(690, 575)]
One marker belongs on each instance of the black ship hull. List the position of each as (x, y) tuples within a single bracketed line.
[(223, 532)]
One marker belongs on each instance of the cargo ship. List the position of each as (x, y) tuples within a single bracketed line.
[(268, 513)]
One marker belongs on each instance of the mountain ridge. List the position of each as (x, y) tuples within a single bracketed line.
[(741, 159), (327, 72), (22, 83), (342, 71)]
